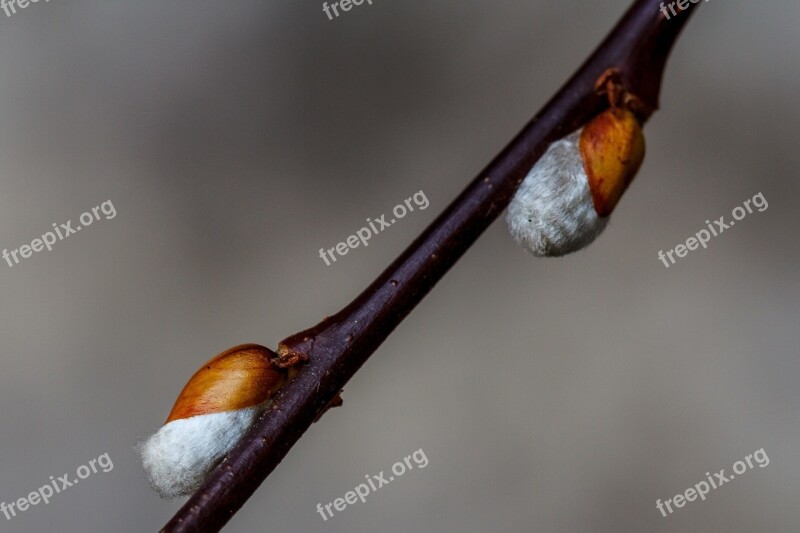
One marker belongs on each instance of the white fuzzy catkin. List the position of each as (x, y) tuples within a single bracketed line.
[(552, 213), (180, 455)]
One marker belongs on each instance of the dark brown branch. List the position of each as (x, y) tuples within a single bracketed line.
[(638, 48)]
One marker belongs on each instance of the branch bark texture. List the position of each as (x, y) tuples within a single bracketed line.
[(337, 347)]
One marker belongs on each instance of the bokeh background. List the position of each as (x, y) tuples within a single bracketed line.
[(237, 138)]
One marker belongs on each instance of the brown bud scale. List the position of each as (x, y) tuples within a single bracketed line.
[(612, 149), (240, 377)]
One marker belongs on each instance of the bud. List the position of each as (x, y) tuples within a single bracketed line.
[(564, 202), (214, 410)]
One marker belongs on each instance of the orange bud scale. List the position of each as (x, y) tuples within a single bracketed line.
[(240, 377), (612, 148)]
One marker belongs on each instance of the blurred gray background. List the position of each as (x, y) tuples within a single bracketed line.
[(235, 139)]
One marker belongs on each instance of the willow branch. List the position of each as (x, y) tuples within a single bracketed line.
[(337, 347)]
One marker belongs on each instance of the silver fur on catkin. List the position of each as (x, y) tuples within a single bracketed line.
[(179, 457), (552, 213)]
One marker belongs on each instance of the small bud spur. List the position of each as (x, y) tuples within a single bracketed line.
[(214, 410)]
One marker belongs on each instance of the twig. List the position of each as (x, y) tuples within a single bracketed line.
[(336, 348)]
